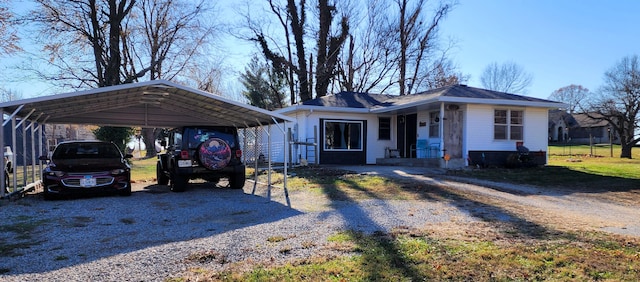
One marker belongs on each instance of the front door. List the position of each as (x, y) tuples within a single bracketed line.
[(407, 134)]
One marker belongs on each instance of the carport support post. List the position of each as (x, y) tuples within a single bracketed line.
[(441, 130), (255, 160), (15, 152), (284, 148), (40, 135), (245, 143), (269, 156), (24, 153), (2, 175), (284, 182), (33, 151)]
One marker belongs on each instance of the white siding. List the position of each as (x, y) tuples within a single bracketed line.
[(536, 130), (479, 124), (375, 147), (478, 135), (307, 122)]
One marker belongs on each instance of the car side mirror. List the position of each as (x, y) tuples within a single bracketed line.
[(43, 158), (128, 156)]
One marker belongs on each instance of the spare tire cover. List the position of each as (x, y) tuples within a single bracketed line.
[(214, 153)]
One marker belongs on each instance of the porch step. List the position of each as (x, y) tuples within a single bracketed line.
[(409, 162)]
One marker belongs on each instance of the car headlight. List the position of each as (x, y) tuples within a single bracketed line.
[(57, 173), (118, 171)]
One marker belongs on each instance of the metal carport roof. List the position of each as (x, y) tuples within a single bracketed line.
[(156, 103)]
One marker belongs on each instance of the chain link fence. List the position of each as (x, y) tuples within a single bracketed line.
[(255, 145)]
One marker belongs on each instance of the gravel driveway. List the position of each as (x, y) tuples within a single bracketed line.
[(155, 234), (564, 207)]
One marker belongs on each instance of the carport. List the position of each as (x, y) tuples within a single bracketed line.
[(156, 103)]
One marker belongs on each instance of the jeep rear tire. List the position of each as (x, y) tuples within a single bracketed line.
[(236, 181), (161, 176), (178, 183)]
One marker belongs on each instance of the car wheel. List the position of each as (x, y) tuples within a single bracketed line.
[(161, 176), (126, 191), (6, 182), (178, 183), (236, 181), (214, 154), (47, 195)]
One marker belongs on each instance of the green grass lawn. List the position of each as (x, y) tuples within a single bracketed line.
[(143, 169)]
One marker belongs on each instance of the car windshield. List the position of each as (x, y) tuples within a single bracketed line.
[(196, 136), (86, 151)]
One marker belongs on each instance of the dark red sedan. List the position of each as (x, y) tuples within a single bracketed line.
[(86, 167)]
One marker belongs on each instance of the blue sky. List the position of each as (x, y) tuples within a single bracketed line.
[(560, 42)]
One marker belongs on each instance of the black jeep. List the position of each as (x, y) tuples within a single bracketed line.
[(201, 152)]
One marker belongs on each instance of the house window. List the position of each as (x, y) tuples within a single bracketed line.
[(516, 125), (508, 125), (343, 135), (434, 124), (384, 128)]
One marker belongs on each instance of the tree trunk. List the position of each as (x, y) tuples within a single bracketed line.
[(150, 142), (625, 152), (297, 28), (403, 48)]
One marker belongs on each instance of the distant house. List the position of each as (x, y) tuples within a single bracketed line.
[(453, 126), (578, 128)]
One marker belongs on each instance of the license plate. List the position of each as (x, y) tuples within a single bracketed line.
[(184, 163), (87, 181)]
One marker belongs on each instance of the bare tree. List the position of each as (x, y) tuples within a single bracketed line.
[(8, 45), (397, 48), (293, 18), (444, 73), (417, 34), (205, 77), (71, 28), (127, 40), (173, 35), (84, 41), (572, 95), (8, 35), (9, 95), (369, 60), (618, 102), (507, 77), (328, 46)]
